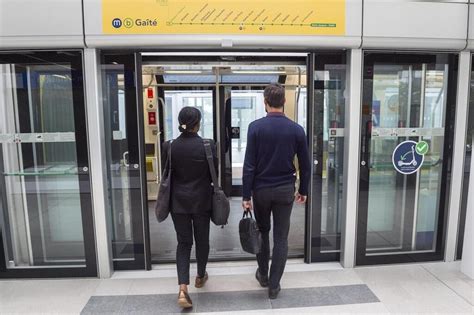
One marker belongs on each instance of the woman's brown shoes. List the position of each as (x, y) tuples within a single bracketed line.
[(184, 300), (201, 281)]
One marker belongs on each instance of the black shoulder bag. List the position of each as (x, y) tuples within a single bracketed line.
[(162, 206), (220, 203)]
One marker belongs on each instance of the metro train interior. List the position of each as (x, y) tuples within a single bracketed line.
[(230, 96), (229, 92)]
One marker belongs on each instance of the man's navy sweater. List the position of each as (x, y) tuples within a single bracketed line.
[(272, 143)]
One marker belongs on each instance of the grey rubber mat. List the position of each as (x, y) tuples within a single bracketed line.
[(231, 301)]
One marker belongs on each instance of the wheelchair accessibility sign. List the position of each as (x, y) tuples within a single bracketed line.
[(408, 156)]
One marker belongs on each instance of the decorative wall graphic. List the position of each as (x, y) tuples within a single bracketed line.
[(236, 17)]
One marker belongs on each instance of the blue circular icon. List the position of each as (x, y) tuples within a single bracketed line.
[(117, 23), (406, 159)]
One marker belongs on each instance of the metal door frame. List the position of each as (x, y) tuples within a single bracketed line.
[(139, 57), (314, 253), (219, 120)]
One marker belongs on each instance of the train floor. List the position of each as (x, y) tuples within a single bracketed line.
[(224, 242)]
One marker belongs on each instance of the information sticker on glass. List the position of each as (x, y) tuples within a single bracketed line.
[(408, 156)]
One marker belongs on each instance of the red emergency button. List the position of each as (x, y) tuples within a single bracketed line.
[(151, 118)]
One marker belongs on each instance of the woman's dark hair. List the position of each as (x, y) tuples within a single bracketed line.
[(188, 118)]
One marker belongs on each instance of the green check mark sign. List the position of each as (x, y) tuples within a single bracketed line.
[(422, 147)]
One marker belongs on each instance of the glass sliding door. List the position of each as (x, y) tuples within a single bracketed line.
[(408, 111), (328, 82), (241, 101), (46, 227), (124, 159), (243, 104)]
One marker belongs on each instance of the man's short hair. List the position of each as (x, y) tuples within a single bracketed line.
[(274, 95)]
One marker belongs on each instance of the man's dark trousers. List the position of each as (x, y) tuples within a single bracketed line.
[(279, 202)]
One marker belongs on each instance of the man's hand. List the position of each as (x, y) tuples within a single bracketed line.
[(247, 205), (300, 198)]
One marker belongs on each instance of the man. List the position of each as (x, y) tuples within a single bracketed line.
[(269, 177)]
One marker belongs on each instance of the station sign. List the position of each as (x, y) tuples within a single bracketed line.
[(233, 17)]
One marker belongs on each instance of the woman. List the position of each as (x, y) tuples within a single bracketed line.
[(191, 199)]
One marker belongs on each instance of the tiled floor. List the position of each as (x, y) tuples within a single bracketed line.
[(325, 288)]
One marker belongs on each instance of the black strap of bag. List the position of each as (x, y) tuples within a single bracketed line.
[(167, 167), (169, 156), (210, 162), (162, 205), (247, 213)]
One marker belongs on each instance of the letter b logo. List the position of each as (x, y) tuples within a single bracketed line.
[(128, 22)]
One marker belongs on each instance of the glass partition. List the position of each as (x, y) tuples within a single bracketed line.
[(121, 114), (408, 105), (327, 117), (45, 206)]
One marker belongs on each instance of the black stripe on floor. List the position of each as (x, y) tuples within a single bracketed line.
[(231, 301)]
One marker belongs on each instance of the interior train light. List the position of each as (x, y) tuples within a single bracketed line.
[(183, 71)]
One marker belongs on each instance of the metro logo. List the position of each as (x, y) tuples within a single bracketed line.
[(117, 23)]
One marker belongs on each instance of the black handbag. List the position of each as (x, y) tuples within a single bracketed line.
[(250, 236), (220, 203), (162, 206)]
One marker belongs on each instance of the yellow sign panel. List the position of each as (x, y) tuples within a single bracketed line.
[(236, 17)]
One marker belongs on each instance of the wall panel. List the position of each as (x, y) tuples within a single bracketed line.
[(40, 24), (471, 26), (415, 24)]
